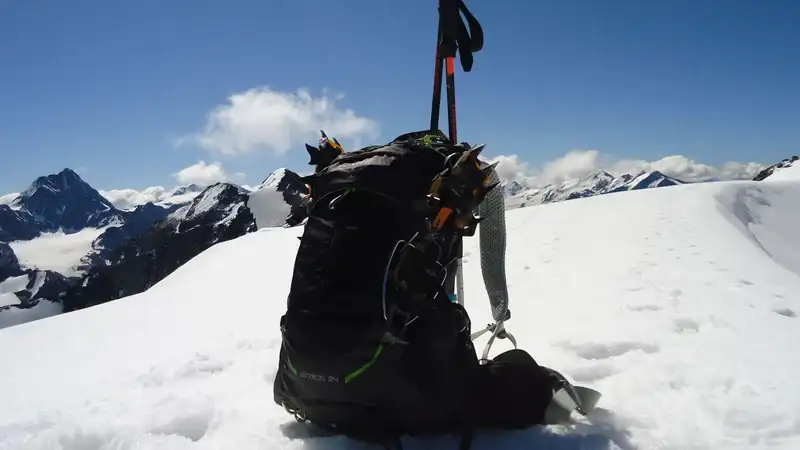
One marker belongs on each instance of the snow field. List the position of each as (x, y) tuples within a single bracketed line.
[(673, 302), (56, 251)]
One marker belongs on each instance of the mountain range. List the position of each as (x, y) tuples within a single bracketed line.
[(133, 248), (597, 183), (680, 305), (129, 250)]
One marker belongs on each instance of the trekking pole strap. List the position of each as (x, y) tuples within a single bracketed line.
[(458, 36)]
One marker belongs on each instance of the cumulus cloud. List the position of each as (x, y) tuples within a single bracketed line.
[(205, 174), (264, 119), (580, 163), (8, 198)]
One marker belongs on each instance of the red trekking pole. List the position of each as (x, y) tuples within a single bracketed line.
[(453, 36)]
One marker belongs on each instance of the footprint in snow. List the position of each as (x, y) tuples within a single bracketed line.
[(192, 425), (686, 325), (786, 312), (593, 373), (643, 308), (202, 365), (594, 351)]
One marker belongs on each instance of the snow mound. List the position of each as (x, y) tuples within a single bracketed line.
[(675, 303), (57, 251)]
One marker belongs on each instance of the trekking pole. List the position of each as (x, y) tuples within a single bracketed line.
[(453, 36), (437, 83)]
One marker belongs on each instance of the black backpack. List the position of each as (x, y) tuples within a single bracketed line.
[(372, 347)]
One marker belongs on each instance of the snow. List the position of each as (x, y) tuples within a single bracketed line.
[(179, 214), (14, 284), (208, 200), (267, 204), (204, 202), (675, 303), (8, 298), (129, 199), (791, 172), (8, 199), (8, 287), (177, 199), (14, 317), (57, 251), (231, 215), (38, 282), (596, 183)]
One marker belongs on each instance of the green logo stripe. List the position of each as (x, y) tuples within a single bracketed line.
[(366, 366)]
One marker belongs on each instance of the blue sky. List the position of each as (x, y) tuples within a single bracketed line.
[(110, 87)]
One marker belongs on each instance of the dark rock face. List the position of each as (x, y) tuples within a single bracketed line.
[(9, 264), (771, 169), (136, 222), (217, 214), (18, 224), (42, 285), (65, 201), (143, 245), (291, 186)]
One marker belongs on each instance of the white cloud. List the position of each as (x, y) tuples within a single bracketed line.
[(579, 163), (8, 198), (265, 119), (201, 174), (131, 198), (205, 174), (686, 169), (575, 164)]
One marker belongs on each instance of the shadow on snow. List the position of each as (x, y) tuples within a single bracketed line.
[(602, 430)]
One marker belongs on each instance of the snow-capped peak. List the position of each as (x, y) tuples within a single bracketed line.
[(596, 183), (272, 201), (65, 201), (512, 187), (55, 183), (219, 200), (188, 189), (787, 169)]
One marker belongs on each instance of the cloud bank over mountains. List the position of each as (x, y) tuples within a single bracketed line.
[(581, 163)]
